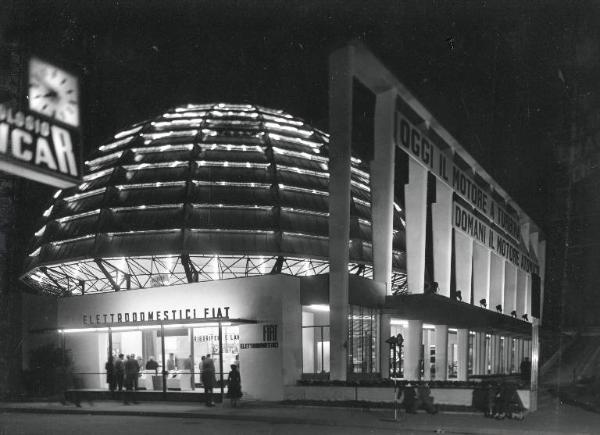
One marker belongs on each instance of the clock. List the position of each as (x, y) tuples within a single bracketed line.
[(53, 92)]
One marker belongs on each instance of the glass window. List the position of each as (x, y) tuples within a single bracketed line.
[(315, 342), (362, 340)]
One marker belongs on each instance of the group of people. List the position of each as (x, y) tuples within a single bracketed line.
[(124, 373), (208, 378), (421, 398), (121, 372)]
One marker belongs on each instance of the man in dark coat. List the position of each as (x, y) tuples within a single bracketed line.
[(111, 378), (132, 369), (120, 372), (208, 379)]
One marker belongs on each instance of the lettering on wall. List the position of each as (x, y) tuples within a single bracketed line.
[(269, 339), (480, 231), (156, 315), (412, 140)]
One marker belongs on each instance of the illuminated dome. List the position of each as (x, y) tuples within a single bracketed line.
[(202, 192)]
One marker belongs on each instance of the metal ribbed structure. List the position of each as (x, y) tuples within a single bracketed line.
[(202, 192)]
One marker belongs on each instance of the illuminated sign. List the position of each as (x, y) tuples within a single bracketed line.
[(416, 144), (38, 149), (480, 231), (156, 315)]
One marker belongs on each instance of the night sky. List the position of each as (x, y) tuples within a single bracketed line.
[(501, 76)]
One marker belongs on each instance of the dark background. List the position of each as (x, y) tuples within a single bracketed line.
[(515, 82)]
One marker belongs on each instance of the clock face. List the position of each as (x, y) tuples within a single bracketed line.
[(53, 92)]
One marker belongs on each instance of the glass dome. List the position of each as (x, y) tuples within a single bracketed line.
[(202, 192)]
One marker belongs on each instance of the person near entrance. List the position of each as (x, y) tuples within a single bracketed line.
[(152, 365), (208, 379), (120, 371), (234, 385), (132, 370), (525, 369), (111, 378)]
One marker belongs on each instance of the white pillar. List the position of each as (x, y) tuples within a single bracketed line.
[(462, 338), (521, 291), (518, 354), (481, 274), (385, 332), (382, 208), (340, 128), (412, 351), (427, 341), (441, 352), (497, 265), (479, 354), (441, 217), (415, 194), (463, 259), (495, 354), (511, 274)]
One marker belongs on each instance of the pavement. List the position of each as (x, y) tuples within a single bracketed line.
[(553, 417)]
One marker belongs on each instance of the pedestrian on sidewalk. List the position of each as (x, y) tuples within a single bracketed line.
[(208, 379), (120, 371), (111, 378), (234, 386), (132, 370)]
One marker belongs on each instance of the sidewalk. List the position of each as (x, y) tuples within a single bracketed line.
[(552, 418)]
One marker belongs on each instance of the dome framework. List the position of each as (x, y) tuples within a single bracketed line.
[(202, 192)]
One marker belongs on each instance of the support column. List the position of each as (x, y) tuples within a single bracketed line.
[(495, 354), (511, 274), (385, 332), (427, 341), (462, 366), (463, 258), (535, 359), (479, 354), (412, 352), (521, 291), (441, 216), (508, 343), (382, 208), (481, 274), (441, 352), (340, 128), (518, 354), (415, 194), (497, 265)]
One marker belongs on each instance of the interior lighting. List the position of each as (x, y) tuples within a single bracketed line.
[(161, 148), (75, 239), (428, 326), (40, 232), (116, 144), (35, 254), (288, 128), (171, 133), (95, 175), (79, 196), (397, 208), (281, 119), (104, 159), (297, 140), (399, 322), (319, 307), (48, 211), (187, 114), (78, 216), (131, 131), (362, 202)]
